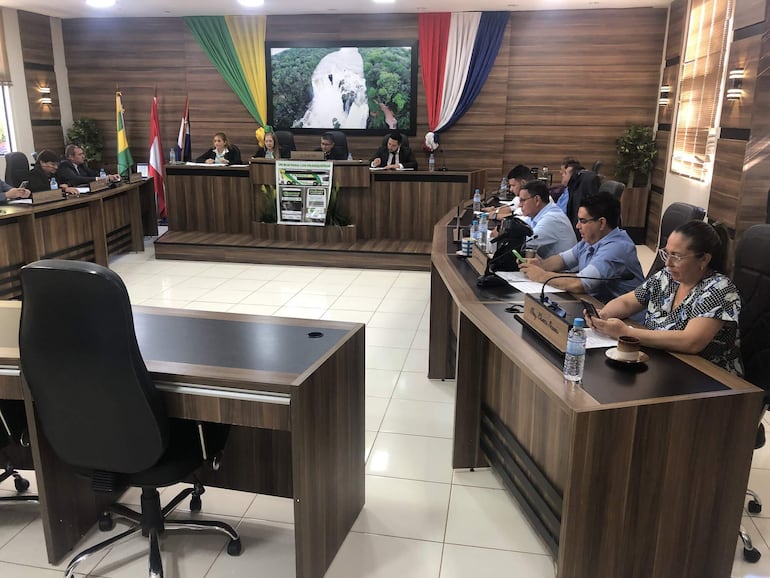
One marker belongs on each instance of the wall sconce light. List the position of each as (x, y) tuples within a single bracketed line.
[(46, 95), (735, 84), (665, 91)]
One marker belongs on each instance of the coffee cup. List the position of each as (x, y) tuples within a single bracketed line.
[(628, 348), (530, 253)]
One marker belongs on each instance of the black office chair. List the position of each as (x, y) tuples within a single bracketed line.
[(596, 167), (340, 141), (615, 188), (285, 142), (16, 168), (751, 275), (14, 449), (97, 405), (675, 215)]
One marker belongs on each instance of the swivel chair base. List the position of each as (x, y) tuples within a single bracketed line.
[(21, 484), (152, 523)]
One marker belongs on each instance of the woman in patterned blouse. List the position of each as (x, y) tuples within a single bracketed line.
[(691, 299)]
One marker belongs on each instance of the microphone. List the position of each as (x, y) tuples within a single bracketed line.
[(443, 159), (625, 276)]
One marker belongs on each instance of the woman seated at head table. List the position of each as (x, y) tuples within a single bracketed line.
[(221, 154), (39, 178), (690, 305), (271, 150)]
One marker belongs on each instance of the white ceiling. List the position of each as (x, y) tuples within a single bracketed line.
[(143, 8)]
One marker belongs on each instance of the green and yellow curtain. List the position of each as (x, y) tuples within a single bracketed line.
[(236, 46)]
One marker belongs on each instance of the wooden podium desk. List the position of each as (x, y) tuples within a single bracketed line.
[(296, 403), (636, 474), (87, 228)]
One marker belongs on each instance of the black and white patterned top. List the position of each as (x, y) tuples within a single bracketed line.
[(713, 296)]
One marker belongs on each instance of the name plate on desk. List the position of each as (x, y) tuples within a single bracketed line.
[(135, 178), (98, 185), (47, 196), (546, 322)]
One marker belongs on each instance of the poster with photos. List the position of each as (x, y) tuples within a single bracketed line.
[(302, 191)]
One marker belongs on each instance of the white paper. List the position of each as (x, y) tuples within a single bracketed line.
[(83, 190), (27, 201), (519, 281), (595, 340)]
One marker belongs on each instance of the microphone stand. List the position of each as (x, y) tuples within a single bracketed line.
[(443, 159), (627, 276)]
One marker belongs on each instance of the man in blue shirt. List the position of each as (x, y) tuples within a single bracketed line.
[(9, 193), (604, 251), (551, 227)]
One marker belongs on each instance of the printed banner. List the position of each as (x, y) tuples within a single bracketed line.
[(302, 191)]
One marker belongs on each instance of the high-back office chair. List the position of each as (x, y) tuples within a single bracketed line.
[(96, 403), (675, 215), (285, 142), (16, 168), (751, 275), (615, 188), (340, 141), (13, 425)]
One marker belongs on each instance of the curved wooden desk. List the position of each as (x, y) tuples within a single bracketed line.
[(642, 477)]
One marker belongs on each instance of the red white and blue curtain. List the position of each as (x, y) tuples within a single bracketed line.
[(457, 52)]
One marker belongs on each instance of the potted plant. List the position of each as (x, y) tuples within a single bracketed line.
[(636, 153), (86, 135)]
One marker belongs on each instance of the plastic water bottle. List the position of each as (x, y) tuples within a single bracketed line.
[(483, 228), (432, 162), (54, 184), (475, 231), (575, 358), (350, 156), (268, 154), (102, 174), (172, 155), (477, 200), (503, 188)]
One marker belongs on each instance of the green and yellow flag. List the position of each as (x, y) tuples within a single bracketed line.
[(125, 160)]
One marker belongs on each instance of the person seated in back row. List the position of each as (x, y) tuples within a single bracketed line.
[(39, 178), (74, 171), (552, 231), (393, 155), (271, 150), (223, 152), (518, 176), (331, 152)]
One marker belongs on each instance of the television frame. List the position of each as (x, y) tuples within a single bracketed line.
[(412, 44)]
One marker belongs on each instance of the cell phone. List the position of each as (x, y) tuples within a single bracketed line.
[(589, 308), (24, 184), (518, 256)]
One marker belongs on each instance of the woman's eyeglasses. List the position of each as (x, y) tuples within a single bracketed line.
[(676, 259)]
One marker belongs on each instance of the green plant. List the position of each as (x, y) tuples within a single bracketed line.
[(86, 135), (333, 214), (636, 153), (269, 210)]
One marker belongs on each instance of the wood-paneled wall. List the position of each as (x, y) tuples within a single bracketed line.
[(37, 54), (564, 83)]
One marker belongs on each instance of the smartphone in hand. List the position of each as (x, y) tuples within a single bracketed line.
[(518, 256), (23, 185), (590, 309)]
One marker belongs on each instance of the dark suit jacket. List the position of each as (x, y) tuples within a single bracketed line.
[(38, 180), (336, 154), (405, 157), (233, 156), (69, 174)]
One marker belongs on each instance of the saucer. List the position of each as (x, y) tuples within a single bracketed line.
[(612, 353)]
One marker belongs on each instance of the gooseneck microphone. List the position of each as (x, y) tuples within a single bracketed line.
[(625, 276)]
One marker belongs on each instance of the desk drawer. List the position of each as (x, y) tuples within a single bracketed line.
[(265, 410)]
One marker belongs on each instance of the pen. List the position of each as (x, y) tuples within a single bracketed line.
[(518, 256)]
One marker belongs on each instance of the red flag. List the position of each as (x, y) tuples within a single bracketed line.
[(156, 159)]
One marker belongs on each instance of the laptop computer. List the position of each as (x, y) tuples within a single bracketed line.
[(307, 155)]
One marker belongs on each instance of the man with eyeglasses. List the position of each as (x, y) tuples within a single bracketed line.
[(552, 231), (605, 251)]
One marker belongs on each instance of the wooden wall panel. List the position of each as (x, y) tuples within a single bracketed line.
[(659, 170), (36, 44), (726, 181), (519, 116), (671, 79), (748, 12), (677, 24), (48, 137), (743, 54), (37, 78), (654, 214)]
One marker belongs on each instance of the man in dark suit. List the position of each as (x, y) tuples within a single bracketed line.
[(394, 156), (74, 171)]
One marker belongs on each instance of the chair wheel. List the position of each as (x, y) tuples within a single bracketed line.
[(752, 555), (195, 504), (106, 523), (234, 548), (754, 507), (21, 484)]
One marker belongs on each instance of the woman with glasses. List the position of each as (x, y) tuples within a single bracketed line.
[(690, 306)]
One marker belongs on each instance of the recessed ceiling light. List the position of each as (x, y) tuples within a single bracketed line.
[(251, 3), (100, 3), (384, 1)]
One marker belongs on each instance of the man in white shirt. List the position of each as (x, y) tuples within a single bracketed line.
[(551, 227)]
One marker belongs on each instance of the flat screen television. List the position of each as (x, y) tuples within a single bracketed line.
[(364, 87)]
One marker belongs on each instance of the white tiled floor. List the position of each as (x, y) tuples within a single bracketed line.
[(421, 519)]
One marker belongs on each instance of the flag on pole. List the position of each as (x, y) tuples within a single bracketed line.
[(125, 160), (183, 144), (156, 159)]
